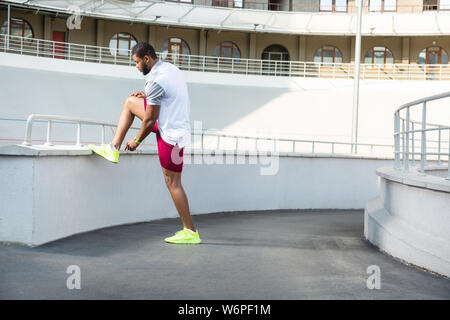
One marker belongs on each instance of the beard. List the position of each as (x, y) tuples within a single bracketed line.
[(145, 70)]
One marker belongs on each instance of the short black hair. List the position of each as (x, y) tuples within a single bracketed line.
[(142, 49)]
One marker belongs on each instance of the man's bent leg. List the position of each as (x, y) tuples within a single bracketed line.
[(133, 106), (173, 182)]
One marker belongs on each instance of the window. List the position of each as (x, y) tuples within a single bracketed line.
[(436, 5), (278, 57), (238, 3), (382, 5), (379, 55), (18, 27), (433, 55), (333, 6), (220, 3), (227, 50), (121, 44), (274, 5), (328, 55), (175, 50)]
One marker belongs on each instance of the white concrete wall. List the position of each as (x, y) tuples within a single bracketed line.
[(410, 219), (47, 197), (307, 108)]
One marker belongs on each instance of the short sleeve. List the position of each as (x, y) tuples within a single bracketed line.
[(154, 93)]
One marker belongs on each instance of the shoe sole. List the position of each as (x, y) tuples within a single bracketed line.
[(183, 242)]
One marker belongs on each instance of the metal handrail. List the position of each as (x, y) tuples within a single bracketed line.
[(50, 118), (407, 131), (204, 133), (96, 54)]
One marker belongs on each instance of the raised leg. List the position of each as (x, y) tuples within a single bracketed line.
[(133, 106)]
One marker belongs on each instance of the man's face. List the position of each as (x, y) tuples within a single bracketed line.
[(143, 64)]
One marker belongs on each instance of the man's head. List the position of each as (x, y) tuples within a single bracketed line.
[(145, 56)]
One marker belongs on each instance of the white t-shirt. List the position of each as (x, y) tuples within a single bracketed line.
[(173, 121)]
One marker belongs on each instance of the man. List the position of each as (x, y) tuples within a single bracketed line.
[(164, 109)]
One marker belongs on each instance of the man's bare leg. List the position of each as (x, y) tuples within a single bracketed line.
[(173, 182), (133, 106)]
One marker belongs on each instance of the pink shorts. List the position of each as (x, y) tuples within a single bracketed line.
[(170, 156)]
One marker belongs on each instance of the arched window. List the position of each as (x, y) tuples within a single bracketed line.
[(433, 59), (227, 50), (275, 52), (18, 27), (175, 50), (121, 44), (328, 55), (379, 55), (278, 57), (433, 55)]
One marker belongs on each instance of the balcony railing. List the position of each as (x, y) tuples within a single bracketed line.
[(414, 134), (95, 54)]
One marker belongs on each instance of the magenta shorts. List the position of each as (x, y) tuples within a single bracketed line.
[(170, 156)]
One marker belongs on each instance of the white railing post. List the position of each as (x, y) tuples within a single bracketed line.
[(406, 159), (403, 143), (49, 133), (397, 140), (439, 145), (424, 139), (412, 145), (37, 44), (204, 63), (246, 66), (78, 134), (29, 129)]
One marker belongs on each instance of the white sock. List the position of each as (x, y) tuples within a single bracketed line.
[(113, 148), (190, 231)]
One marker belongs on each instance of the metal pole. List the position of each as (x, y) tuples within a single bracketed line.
[(356, 80), (9, 26), (406, 159), (397, 141), (423, 156), (78, 135), (49, 133), (439, 146)]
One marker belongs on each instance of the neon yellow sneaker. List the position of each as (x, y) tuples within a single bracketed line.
[(106, 152), (184, 236)]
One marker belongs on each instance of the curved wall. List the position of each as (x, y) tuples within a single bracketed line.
[(410, 219), (51, 194)]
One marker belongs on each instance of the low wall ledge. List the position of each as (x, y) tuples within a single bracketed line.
[(66, 150), (415, 179)]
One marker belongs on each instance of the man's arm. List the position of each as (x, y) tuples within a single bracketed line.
[(150, 117)]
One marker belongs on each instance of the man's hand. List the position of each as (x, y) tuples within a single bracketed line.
[(139, 94), (131, 145)]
